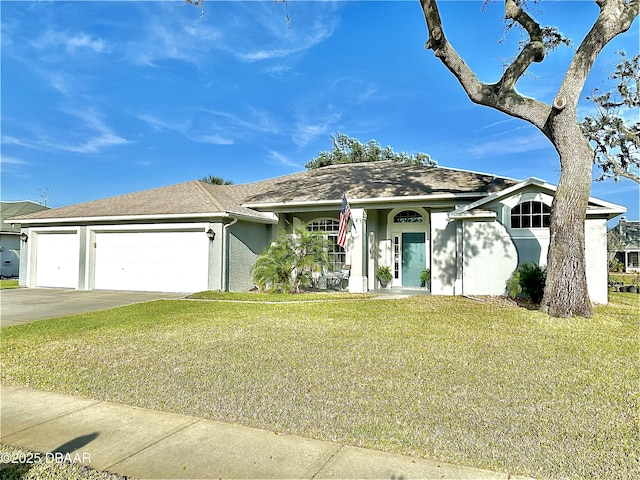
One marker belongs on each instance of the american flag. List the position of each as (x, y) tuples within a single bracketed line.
[(345, 213)]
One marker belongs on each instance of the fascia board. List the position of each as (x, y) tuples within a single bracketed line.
[(495, 196), (127, 218), (363, 201)]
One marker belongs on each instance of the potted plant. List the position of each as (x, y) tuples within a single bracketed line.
[(425, 278), (384, 276)]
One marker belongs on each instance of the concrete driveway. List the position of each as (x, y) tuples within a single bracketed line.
[(23, 305)]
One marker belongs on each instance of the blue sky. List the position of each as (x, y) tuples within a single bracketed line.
[(105, 98)]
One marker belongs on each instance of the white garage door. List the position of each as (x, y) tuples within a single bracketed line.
[(175, 261), (57, 260)]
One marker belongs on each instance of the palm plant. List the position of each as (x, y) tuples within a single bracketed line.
[(289, 261)]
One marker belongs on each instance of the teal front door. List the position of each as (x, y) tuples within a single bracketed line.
[(413, 258)]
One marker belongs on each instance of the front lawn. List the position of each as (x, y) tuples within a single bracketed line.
[(451, 379), (277, 297), (9, 284)]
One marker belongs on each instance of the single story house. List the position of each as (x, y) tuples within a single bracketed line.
[(626, 244), (470, 229), (10, 235)]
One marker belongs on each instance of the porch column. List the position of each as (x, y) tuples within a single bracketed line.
[(358, 251)]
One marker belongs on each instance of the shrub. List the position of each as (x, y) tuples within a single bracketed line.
[(425, 278), (528, 280), (288, 262), (384, 274), (615, 265)]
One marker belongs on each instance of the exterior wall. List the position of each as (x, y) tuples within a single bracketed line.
[(24, 264), (444, 260), (357, 247), (214, 281), (532, 244), (489, 257), (596, 256), (246, 242), (9, 255)]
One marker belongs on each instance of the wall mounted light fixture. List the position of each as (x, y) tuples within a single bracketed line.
[(24, 237), (211, 234)]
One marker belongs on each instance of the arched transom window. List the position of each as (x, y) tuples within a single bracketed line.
[(407, 216), (532, 214), (336, 253)]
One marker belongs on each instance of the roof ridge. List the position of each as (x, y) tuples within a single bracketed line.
[(205, 189)]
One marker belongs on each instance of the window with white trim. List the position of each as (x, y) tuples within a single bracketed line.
[(336, 254), (531, 214)]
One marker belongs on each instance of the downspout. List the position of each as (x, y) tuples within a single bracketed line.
[(224, 281)]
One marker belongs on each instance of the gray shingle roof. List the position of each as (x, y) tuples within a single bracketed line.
[(629, 232), (358, 181), (14, 209), (369, 180)]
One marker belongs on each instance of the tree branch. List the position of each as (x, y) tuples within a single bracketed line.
[(502, 95), (616, 17), (533, 51)]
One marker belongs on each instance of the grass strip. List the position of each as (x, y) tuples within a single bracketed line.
[(445, 378)]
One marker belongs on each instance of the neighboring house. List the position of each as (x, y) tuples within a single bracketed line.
[(10, 235), (471, 229), (624, 238)]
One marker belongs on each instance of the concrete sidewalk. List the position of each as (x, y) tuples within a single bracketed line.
[(148, 444)]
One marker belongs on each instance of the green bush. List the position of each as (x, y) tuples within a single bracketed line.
[(528, 281), (288, 262), (425, 278), (616, 265)]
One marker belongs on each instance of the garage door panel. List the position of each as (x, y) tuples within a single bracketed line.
[(152, 261), (57, 260)]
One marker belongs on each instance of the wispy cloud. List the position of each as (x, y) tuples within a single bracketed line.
[(71, 42), (96, 137), (186, 129), (495, 124), (7, 160), (92, 135), (181, 36), (306, 130), (283, 159), (509, 144)]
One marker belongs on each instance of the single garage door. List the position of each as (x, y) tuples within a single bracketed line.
[(57, 260), (159, 261)]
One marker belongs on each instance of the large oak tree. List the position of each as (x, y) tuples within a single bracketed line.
[(566, 291)]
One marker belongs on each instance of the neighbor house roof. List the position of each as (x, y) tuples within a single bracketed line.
[(14, 209), (629, 233)]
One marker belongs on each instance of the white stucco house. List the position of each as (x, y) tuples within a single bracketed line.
[(471, 229)]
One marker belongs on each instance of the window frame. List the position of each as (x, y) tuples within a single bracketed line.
[(530, 215), (337, 256), (416, 217)]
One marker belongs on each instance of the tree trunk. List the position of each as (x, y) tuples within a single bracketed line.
[(566, 292)]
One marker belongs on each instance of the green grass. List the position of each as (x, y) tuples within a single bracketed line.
[(23, 464), (9, 284), (450, 379), (277, 297), (625, 278)]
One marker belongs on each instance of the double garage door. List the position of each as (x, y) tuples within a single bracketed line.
[(167, 261), (154, 261)]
